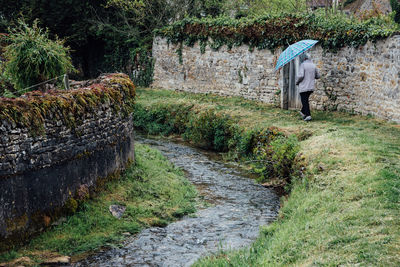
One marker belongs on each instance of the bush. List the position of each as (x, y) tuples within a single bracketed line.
[(276, 159), (32, 58), (161, 119), (245, 141), (210, 130)]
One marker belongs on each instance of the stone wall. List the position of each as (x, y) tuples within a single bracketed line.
[(364, 80), (43, 174), (235, 72)]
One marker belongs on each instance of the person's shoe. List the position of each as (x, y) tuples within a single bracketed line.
[(302, 115), (308, 118)]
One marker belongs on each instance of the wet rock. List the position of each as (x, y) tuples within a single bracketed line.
[(117, 211)]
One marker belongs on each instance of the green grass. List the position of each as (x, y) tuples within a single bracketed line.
[(345, 211), (154, 192)]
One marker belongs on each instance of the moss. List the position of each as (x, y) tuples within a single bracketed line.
[(36, 107), (83, 155), (70, 206), (17, 224)]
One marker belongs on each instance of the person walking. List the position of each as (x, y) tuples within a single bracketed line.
[(305, 79)]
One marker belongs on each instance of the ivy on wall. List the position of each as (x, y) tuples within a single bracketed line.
[(273, 31)]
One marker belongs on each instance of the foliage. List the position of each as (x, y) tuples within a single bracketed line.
[(396, 8), (178, 8), (71, 20), (162, 119), (273, 31), (276, 158), (153, 191), (126, 28), (210, 129), (126, 5), (271, 151), (101, 37), (243, 8), (32, 58), (143, 73), (6, 88), (348, 2), (103, 34), (68, 106)]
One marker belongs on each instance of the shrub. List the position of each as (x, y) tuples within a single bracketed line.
[(162, 119), (247, 140), (32, 58), (276, 159), (210, 130)]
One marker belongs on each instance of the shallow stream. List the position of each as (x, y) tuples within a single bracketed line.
[(237, 208)]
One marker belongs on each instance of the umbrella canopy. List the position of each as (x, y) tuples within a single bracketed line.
[(293, 51)]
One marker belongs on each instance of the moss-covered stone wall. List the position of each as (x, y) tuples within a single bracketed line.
[(57, 147)]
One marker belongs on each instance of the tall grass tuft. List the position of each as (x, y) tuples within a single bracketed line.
[(32, 57)]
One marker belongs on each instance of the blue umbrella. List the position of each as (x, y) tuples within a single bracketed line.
[(293, 51)]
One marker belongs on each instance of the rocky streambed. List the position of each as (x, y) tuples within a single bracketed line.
[(238, 207)]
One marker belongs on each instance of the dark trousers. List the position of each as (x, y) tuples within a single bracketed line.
[(304, 101)]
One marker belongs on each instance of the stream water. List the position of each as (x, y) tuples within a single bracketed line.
[(238, 207)]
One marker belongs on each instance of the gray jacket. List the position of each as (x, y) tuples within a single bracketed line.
[(306, 76)]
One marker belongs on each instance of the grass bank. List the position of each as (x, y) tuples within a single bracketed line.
[(154, 193), (345, 208)]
